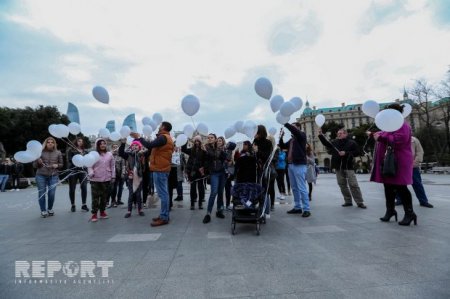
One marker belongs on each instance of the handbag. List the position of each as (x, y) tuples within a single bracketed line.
[(389, 167)]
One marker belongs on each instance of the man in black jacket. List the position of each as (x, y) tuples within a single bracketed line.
[(296, 159), (343, 149)]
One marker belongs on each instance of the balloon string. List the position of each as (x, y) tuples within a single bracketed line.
[(367, 140), (193, 122)]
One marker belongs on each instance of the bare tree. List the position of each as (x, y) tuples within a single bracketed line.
[(443, 93), (422, 94)]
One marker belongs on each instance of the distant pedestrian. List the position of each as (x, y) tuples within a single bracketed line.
[(47, 179), (417, 185), (102, 174), (121, 176), (77, 174), (135, 159), (17, 170), (5, 173), (311, 174), (343, 150), (280, 167)]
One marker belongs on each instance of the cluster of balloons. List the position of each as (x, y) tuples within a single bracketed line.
[(248, 128), (33, 152), (388, 120), (87, 160)]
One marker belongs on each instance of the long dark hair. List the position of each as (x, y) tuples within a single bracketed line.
[(396, 106), (308, 149), (75, 142), (261, 132)]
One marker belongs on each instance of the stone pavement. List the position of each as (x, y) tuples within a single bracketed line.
[(337, 253)]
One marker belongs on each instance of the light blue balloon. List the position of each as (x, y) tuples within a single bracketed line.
[(100, 94), (263, 88)]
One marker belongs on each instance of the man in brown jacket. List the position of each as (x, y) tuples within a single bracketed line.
[(160, 164)]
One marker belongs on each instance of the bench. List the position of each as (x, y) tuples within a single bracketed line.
[(440, 170)]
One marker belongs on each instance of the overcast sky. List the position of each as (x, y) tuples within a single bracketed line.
[(149, 54)]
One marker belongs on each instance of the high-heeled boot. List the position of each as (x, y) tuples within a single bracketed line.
[(409, 217), (387, 217)]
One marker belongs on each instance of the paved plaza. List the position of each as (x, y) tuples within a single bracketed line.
[(337, 253)]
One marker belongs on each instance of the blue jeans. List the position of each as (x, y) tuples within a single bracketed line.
[(3, 180), (417, 186), (297, 177), (46, 183), (217, 185), (161, 183)]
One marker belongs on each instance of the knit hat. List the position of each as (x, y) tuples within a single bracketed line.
[(136, 142), (198, 138)]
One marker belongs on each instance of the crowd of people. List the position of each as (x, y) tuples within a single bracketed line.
[(158, 166)]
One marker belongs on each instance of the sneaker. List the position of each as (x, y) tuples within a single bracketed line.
[(141, 213), (295, 211), (127, 215), (362, 206), (219, 214), (17, 189), (103, 215), (44, 214), (120, 202), (281, 197), (51, 213), (159, 222), (306, 214), (272, 208), (427, 205), (94, 217), (200, 207), (114, 205), (85, 208), (192, 208), (207, 219), (178, 198), (347, 204), (72, 209), (229, 209), (145, 205)]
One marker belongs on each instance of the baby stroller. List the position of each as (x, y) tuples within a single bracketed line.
[(248, 195)]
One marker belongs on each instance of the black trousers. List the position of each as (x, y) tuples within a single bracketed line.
[(280, 180), (73, 179), (200, 185), (390, 191)]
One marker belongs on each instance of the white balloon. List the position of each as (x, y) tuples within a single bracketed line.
[(52, 130), (24, 157), (298, 103), (188, 130), (272, 131), (370, 108), (74, 128), (202, 129), (157, 118), (407, 109), (238, 126), (146, 121), (34, 147), (389, 120), (190, 105), (115, 136), (62, 131), (276, 102), (78, 160), (287, 109), (147, 130), (229, 132), (250, 132), (129, 140), (100, 94), (125, 131), (94, 154), (263, 88), (181, 140), (88, 160), (104, 133), (281, 119), (320, 120)]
